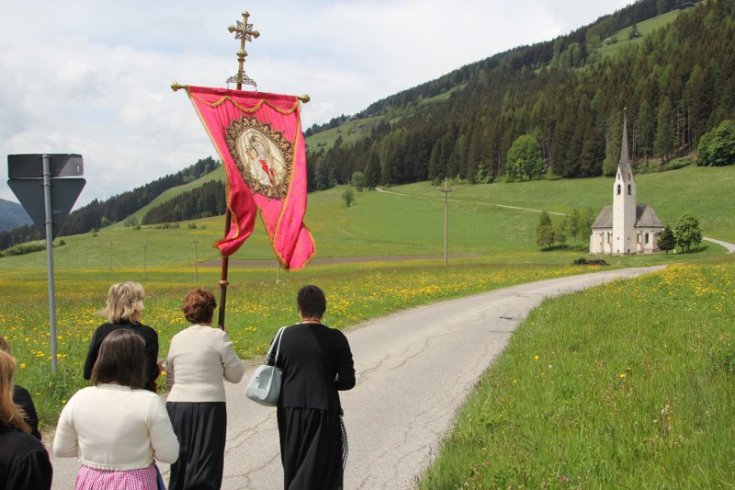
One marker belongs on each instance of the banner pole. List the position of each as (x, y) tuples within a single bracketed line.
[(244, 32), (223, 275)]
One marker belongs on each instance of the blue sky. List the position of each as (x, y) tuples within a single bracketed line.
[(93, 76)]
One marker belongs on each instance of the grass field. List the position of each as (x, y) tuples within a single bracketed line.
[(629, 385), (645, 28), (492, 242), (408, 220), (257, 305)]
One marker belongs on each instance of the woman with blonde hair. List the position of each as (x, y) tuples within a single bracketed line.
[(23, 398), (24, 462), (123, 310), (115, 427)]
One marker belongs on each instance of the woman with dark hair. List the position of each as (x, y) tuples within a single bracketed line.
[(123, 310), (200, 359), (317, 362), (116, 427), (24, 462)]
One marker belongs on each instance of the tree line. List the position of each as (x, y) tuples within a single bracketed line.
[(201, 202), (98, 213), (677, 83)]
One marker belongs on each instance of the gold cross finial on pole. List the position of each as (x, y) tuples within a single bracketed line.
[(244, 32)]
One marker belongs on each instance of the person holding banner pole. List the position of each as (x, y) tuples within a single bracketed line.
[(200, 359)]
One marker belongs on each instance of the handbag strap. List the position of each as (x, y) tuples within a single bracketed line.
[(276, 341)]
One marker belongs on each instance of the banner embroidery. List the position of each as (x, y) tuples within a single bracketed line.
[(262, 155)]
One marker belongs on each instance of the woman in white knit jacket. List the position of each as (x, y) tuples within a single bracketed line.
[(200, 358), (117, 427)]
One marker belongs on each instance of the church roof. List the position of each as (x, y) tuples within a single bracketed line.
[(604, 219), (645, 217)]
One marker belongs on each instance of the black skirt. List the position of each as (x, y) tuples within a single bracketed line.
[(311, 449), (201, 429)]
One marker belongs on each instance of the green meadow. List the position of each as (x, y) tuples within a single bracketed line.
[(645, 28), (484, 220), (492, 245), (629, 385)]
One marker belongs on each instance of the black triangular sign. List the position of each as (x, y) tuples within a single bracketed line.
[(64, 193)]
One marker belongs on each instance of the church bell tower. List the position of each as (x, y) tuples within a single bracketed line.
[(624, 202)]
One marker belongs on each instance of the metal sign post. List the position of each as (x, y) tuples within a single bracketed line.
[(47, 186), (50, 260)]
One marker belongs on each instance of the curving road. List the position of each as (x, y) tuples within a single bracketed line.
[(729, 246), (414, 370)]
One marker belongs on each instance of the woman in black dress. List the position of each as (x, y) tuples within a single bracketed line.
[(123, 310), (316, 362), (24, 462)]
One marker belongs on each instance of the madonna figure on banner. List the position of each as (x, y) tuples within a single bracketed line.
[(263, 163)]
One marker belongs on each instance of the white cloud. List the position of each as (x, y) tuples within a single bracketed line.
[(93, 77)]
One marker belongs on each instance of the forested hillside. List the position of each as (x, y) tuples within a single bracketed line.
[(677, 82), (12, 215), (98, 213)]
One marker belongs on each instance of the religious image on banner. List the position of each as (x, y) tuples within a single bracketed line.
[(258, 136), (262, 155)]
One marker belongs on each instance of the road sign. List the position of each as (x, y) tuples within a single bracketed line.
[(30, 166), (64, 193), (47, 186)]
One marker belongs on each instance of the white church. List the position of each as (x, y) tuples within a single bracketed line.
[(625, 227)]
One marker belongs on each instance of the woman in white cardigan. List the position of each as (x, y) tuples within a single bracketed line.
[(200, 359), (117, 427)]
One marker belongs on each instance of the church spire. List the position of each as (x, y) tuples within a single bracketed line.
[(624, 163), (624, 146)]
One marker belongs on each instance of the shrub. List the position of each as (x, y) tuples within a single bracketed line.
[(25, 248)]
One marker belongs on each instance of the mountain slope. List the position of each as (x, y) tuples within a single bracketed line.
[(12, 215), (676, 81)]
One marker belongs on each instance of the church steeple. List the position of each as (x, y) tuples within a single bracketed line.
[(624, 169), (624, 201)]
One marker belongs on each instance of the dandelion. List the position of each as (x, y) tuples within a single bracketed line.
[(622, 375), (536, 357)]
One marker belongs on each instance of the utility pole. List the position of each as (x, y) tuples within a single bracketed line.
[(196, 261), (145, 261), (446, 190)]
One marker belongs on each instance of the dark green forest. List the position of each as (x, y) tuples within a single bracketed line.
[(676, 84), (98, 213), (201, 202)]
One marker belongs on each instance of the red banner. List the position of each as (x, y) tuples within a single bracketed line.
[(259, 138)]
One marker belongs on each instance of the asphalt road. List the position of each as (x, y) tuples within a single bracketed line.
[(414, 370)]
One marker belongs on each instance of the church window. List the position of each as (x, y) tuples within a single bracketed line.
[(618, 189), (646, 237), (629, 190)]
